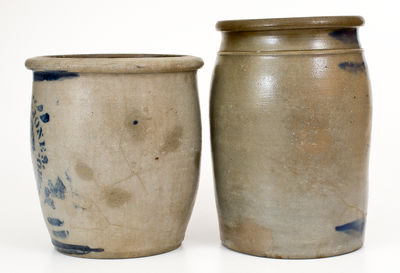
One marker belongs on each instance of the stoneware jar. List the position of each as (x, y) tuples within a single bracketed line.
[(290, 121), (116, 145)]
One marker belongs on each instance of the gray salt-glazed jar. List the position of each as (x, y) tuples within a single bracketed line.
[(116, 143), (290, 124)]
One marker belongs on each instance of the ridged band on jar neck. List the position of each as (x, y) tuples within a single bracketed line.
[(289, 35)]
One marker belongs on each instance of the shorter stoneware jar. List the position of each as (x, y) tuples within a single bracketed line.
[(290, 124), (116, 143)]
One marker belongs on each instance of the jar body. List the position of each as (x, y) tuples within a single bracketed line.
[(116, 158), (290, 138)]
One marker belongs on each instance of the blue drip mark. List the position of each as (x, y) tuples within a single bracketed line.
[(40, 76), (39, 108), (54, 190), (57, 190), (135, 122), (45, 117), (55, 221), (355, 227), (61, 234), (68, 177), (352, 67), (75, 249), (32, 137), (48, 200), (347, 35), (78, 207), (45, 159)]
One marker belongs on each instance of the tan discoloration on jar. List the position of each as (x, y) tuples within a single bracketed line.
[(116, 197), (247, 236), (84, 171), (173, 140), (116, 141), (290, 129)]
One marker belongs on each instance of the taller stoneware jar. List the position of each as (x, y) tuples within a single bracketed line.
[(116, 143), (290, 124)]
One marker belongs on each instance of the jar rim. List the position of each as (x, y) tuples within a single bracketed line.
[(115, 63), (290, 23)]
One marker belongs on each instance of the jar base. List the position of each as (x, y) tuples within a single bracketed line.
[(120, 255), (291, 256)]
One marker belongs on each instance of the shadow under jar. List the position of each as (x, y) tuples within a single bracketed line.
[(116, 143), (290, 130)]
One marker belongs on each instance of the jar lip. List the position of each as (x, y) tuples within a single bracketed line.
[(290, 23), (115, 63)]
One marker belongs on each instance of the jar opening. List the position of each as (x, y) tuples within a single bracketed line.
[(113, 56), (115, 63), (290, 23)]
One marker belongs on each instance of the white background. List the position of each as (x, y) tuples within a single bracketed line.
[(31, 28)]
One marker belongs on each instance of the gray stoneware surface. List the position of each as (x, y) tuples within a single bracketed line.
[(290, 124), (116, 143)]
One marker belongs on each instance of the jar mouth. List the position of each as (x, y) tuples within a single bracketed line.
[(290, 23), (113, 56), (115, 63)]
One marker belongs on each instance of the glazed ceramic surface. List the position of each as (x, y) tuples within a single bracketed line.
[(116, 143), (290, 121)]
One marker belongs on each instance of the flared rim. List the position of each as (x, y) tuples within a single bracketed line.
[(115, 63), (290, 23)]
